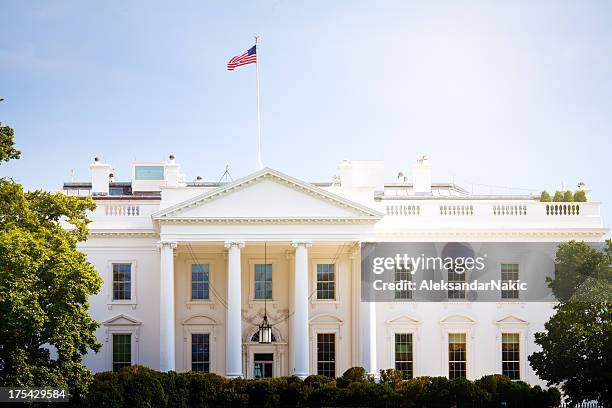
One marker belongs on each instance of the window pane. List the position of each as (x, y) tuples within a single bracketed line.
[(149, 172), (456, 278), (326, 288), (509, 273), (263, 281), (403, 275), (122, 351), (199, 281), (457, 351), (511, 356), (403, 353), (326, 354), (122, 285), (200, 352)]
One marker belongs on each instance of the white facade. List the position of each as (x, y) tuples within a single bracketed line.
[(147, 234)]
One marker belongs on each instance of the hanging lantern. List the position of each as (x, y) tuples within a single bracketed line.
[(265, 331)]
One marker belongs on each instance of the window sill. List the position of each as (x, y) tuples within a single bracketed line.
[(510, 302), (203, 302), (121, 303), (323, 302), (257, 302)]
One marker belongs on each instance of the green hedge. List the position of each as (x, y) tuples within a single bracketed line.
[(139, 386)]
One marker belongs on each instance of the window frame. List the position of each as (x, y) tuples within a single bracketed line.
[(133, 301), (518, 273), (411, 361), (335, 351), (512, 324), (275, 272), (409, 291), (457, 323), (448, 351), (199, 324), (191, 362), (519, 352), (312, 285), (121, 324), (456, 299), (163, 174), (113, 350)]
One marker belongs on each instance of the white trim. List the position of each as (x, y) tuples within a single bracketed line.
[(512, 324), (251, 288), (133, 301), (200, 324), (458, 323), (313, 281), (404, 324), (121, 324), (189, 302), (317, 325)]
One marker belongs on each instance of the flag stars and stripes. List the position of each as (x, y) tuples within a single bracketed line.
[(248, 57)]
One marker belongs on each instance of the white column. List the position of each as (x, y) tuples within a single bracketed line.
[(166, 306), (369, 337), (301, 350), (234, 310)]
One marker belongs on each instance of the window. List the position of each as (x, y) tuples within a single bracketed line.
[(456, 277), (326, 284), (326, 354), (403, 275), (511, 360), (262, 365), (263, 281), (199, 281), (509, 272), (200, 352), (403, 353), (122, 351), (456, 355), (149, 172), (122, 281)]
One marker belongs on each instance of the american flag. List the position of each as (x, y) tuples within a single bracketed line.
[(248, 57)]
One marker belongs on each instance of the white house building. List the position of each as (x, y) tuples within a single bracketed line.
[(188, 268)]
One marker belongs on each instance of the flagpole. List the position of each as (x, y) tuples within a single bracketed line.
[(259, 164)]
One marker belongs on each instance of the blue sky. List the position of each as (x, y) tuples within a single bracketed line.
[(512, 94)]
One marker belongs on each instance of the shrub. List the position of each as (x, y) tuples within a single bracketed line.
[(353, 374), (139, 386), (545, 197), (568, 196), (558, 197), (580, 196)]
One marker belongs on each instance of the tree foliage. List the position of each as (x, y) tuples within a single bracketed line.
[(7, 149), (580, 196), (545, 197), (577, 344), (45, 283)]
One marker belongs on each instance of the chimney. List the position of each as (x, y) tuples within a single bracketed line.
[(100, 176), (421, 176), (174, 177)]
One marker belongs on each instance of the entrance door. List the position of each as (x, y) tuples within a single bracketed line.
[(263, 363)]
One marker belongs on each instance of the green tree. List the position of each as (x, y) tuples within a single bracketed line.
[(7, 150), (45, 283), (568, 196), (545, 197), (558, 197), (577, 341), (580, 196)]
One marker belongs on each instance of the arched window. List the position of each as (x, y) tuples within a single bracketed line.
[(255, 337)]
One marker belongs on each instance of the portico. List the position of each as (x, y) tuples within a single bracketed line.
[(226, 229)]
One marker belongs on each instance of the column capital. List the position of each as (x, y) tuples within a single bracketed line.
[(234, 243), (301, 242), (168, 244)]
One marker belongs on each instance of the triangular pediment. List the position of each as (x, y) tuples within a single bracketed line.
[(511, 320), (404, 320), (457, 319), (268, 195), (122, 320)]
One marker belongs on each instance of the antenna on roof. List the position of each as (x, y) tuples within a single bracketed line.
[(226, 177), (72, 175)]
